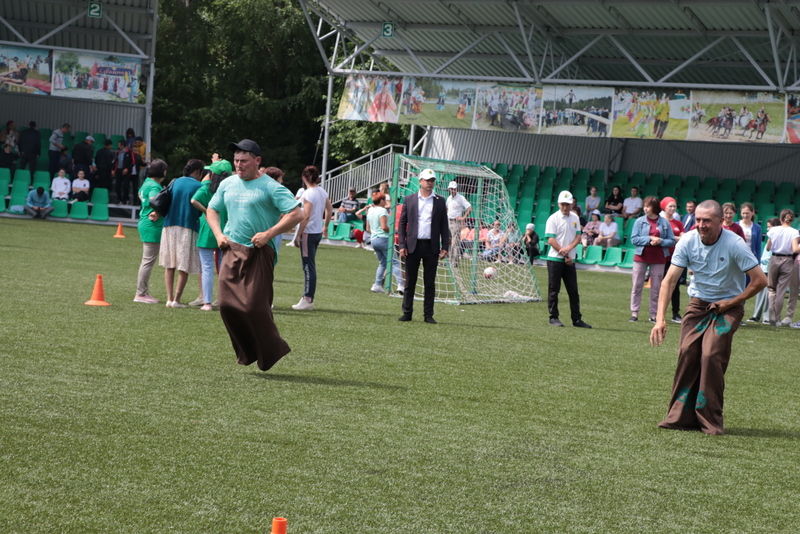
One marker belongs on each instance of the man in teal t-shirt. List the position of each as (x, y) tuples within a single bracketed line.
[(258, 208)]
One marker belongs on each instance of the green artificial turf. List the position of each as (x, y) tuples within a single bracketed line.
[(135, 418)]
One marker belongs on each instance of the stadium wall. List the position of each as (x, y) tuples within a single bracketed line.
[(91, 116), (722, 160)]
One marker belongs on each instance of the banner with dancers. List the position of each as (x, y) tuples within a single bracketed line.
[(443, 103), (511, 108), (97, 77), (737, 116), (577, 111), (792, 119), (371, 98), (25, 70), (651, 113)]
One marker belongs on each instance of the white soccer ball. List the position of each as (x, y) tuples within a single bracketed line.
[(489, 272)]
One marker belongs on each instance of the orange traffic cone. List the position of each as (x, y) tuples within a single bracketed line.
[(98, 294), (120, 234), (279, 525)]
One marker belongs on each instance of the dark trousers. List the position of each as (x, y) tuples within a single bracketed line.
[(29, 161), (122, 185), (556, 272), (424, 254), (55, 162), (308, 256), (103, 178)]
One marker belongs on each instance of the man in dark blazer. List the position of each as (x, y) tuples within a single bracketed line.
[(424, 236)]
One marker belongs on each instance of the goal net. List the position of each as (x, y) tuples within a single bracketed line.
[(487, 260)]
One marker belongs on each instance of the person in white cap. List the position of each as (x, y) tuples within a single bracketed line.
[(423, 236), (563, 233), (458, 209)]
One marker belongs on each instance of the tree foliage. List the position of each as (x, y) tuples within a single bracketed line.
[(227, 70)]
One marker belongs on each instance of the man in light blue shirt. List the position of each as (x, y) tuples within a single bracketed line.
[(38, 204), (719, 259)]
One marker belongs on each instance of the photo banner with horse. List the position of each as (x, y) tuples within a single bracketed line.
[(634, 113), (25, 70)]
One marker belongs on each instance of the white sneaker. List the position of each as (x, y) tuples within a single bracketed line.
[(303, 305), (206, 307), (196, 303), (176, 304), (786, 321), (795, 324), (376, 289)]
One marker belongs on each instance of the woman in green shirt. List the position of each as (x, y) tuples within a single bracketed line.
[(149, 229)]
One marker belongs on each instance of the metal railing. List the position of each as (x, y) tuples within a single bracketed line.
[(367, 171)]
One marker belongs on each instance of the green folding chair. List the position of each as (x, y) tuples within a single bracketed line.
[(627, 261), (19, 196), (5, 173), (99, 212), (99, 195), (41, 179), (594, 254), (79, 210), (60, 209), (23, 176), (612, 258)]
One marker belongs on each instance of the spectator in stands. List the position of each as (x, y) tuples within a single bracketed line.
[(61, 186), (123, 167), (750, 228), (38, 204), (458, 209), (576, 209), (313, 228), (8, 158), (592, 202), (608, 233), (614, 201), (591, 231), (179, 236), (652, 236), (139, 154), (30, 147), (467, 239), (563, 232), (728, 212), (206, 242), (80, 187), (632, 206), (531, 242), (348, 207), (55, 147), (150, 225), (378, 226), (761, 310), (130, 138), (496, 238), (688, 218), (782, 272), (83, 155), (104, 163), (669, 207), (65, 162), (9, 136)]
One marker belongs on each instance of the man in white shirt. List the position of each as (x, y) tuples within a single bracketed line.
[(563, 233), (632, 206), (458, 209), (61, 186)]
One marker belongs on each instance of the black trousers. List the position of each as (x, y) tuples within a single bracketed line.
[(556, 272), (424, 254), (29, 161)]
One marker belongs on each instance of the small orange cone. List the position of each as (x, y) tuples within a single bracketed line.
[(279, 525), (98, 294), (120, 234)]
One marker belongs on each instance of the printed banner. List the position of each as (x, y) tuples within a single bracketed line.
[(733, 116), (792, 118), (371, 98), (651, 114), (577, 111), (25, 70), (96, 77), (514, 108), (443, 103)]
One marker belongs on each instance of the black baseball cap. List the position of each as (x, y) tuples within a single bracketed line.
[(246, 145)]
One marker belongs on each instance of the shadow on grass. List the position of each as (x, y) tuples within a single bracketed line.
[(289, 311), (762, 433), (324, 381)]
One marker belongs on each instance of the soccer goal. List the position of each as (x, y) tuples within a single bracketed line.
[(487, 261)]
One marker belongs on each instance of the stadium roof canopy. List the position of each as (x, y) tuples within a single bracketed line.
[(710, 44)]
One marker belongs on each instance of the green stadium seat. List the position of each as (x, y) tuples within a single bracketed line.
[(627, 260), (672, 184), (69, 140), (60, 209), (115, 139), (620, 178), (766, 190), (765, 208), (748, 186), (501, 169), (629, 227), (79, 210), (19, 196), (579, 252), (99, 195), (99, 212), (5, 173), (80, 136), (2, 204), (785, 192), (638, 179), (598, 177), (534, 171), (594, 254), (5, 180), (548, 175), (23, 176), (517, 170), (612, 258), (42, 178)]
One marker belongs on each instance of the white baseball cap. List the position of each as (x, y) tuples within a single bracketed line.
[(565, 197), (529, 226), (427, 174), (452, 185)]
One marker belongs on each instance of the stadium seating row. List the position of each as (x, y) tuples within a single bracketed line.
[(61, 208)]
